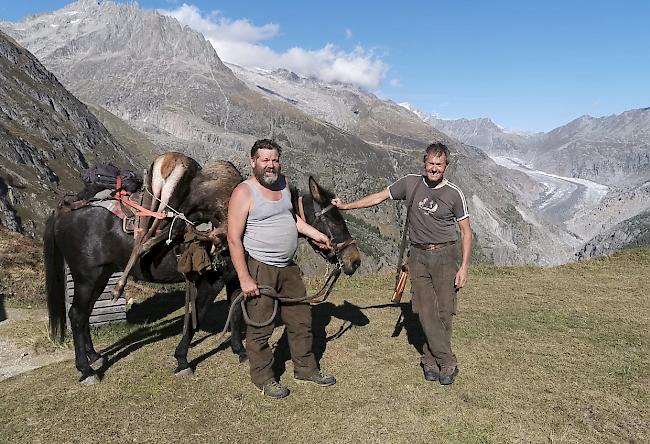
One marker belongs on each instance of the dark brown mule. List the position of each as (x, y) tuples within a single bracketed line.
[(91, 241)]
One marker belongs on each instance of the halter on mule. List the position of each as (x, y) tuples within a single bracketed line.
[(334, 254)]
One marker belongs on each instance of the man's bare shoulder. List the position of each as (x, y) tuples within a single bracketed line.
[(241, 193)]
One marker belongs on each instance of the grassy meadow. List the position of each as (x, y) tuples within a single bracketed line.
[(554, 355)]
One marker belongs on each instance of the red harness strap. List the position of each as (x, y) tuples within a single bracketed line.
[(123, 196)]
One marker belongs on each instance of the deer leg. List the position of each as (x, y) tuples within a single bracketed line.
[(118, 288), (183, 368), (137, 252), (163, 189)]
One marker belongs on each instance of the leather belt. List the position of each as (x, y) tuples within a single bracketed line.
[(427, 247)]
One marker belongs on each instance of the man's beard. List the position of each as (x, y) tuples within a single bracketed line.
[(263, 179)]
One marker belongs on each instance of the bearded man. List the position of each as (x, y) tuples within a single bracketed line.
[(263, 237)]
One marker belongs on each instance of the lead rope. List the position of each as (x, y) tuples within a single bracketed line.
[(265, 290)]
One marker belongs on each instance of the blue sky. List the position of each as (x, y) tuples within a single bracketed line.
[(527, 65)]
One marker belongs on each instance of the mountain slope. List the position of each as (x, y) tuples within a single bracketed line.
[(481, 133), (501, 198), (47, 138), (614, 150), (633, 232), (168, 82), (608, 155)]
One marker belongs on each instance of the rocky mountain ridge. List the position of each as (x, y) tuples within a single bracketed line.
[(166, 81), (482, 133), (614, 150), (633, 232), (47, 138)]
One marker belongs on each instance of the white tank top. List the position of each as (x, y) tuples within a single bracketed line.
[(271, 236)]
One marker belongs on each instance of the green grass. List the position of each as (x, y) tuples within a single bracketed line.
[(546, 355)]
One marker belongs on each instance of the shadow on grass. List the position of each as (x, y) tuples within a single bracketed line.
[(3, 312), (155, 308), (322, 315), (150, 316), (407, 321), (410, 323)]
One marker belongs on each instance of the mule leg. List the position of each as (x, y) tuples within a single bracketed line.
[(238, 327), (205, 294), (96, 360), (183, 367), (79, 317)]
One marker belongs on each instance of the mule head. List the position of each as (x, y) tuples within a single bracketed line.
[(332, 224)]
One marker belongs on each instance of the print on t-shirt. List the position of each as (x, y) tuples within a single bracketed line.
[(431, 208)]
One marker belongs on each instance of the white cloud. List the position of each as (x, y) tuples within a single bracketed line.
[(237, 41), (348, 33), (216, 26), (395, 82)]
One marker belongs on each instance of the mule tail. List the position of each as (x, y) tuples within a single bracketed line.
[(54, 282)]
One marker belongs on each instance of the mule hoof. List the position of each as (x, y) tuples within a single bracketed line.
[(99, 363), (243, 358), (185, 372), (91, 380)]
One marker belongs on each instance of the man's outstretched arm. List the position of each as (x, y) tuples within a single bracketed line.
[(365, 202)]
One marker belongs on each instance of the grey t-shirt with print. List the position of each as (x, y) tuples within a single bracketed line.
[(435, 211)]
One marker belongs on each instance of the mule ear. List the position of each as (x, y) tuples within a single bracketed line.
[(314, 189)]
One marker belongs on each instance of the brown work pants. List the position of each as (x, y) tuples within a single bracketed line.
[(297, 318), (434, 301)]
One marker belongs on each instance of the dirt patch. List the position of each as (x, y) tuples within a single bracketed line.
[(17, 357)]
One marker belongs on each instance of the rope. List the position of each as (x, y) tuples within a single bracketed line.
[(178, 214), (265, 290)]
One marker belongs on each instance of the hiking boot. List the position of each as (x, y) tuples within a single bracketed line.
[(447, 375), (430, 373), (274, 389), (319, 378)]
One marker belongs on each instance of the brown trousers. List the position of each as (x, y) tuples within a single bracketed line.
[(297, 318), (434, 300)]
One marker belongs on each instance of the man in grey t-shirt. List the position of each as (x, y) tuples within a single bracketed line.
[(437, 206)]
